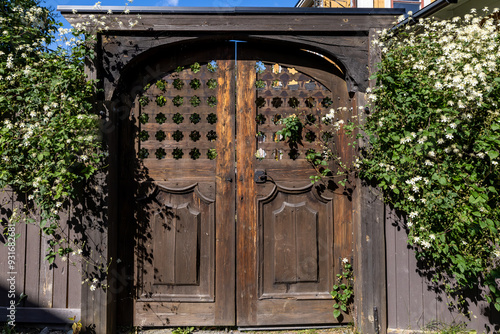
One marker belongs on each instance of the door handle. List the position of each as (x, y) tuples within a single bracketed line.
[(260, 176)]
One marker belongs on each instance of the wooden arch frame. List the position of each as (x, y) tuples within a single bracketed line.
[(343, 35)]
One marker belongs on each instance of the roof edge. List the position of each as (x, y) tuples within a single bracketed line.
[(426, 11), (64, 9)]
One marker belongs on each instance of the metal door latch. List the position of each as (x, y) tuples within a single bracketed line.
[(260, 176)]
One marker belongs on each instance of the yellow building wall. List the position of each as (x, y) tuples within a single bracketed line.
[(336, 4), (347, 3)]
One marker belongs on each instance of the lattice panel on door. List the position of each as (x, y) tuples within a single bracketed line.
[(281, 92), (177, 117)]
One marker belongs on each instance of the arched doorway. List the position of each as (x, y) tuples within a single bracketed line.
[(229, 229)]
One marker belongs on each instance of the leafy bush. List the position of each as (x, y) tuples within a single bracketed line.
[(435, 141), (433, 136)]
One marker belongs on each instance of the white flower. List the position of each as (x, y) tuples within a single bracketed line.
[(432, 154), (92, 287), (440, 141), (409, 224), (453, 125), (413, 214), (64, 258), (428, 163), (494, 163), (480, 155), (411, 198), (94, 280), (84, 158), (345, 260), (425, 244), (260, 154), (423, 200), (449, 136), (432, 236)]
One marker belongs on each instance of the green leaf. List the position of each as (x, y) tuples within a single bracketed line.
[(493, 154), (337, 313)]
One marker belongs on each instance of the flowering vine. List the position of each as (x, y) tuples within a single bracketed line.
[(50, 144), (433, 135), (435, 141)]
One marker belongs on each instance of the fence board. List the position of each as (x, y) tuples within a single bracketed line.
[(412, 300), (32, 265), (416, 293), (20, 254), (45, 285), (74, 270), (60, 270), (390, 222), (5, 209), (403, 281)]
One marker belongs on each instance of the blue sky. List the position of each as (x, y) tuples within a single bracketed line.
[(178, 3)]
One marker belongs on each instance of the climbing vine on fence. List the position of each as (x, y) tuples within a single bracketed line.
[(435, 141), (433, 133), (49, 138)]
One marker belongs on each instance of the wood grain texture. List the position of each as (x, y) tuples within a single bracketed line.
[(248, 23), (369, 233), (225, 313), (246, 213), (33, 257)]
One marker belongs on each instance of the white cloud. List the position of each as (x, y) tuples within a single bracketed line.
[(168, 3)]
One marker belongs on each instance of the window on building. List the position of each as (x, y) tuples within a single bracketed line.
[(408, 5)]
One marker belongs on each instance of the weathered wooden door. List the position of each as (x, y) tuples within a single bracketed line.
[(232, 232), (291, 234)]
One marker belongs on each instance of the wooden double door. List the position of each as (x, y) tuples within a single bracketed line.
[(229, 228)]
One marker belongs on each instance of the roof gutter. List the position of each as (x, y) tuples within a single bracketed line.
[(425, 12), (300, 3)]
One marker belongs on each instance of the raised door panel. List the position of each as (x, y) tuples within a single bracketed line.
[(181, 248), (295, 244)]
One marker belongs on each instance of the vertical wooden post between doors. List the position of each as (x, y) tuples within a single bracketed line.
[(246, 215), (225, 204)]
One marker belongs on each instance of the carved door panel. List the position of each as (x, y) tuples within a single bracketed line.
[(291, 234), (184, 121)]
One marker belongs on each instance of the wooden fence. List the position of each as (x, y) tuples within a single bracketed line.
[(413, 301), (53, 292)]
